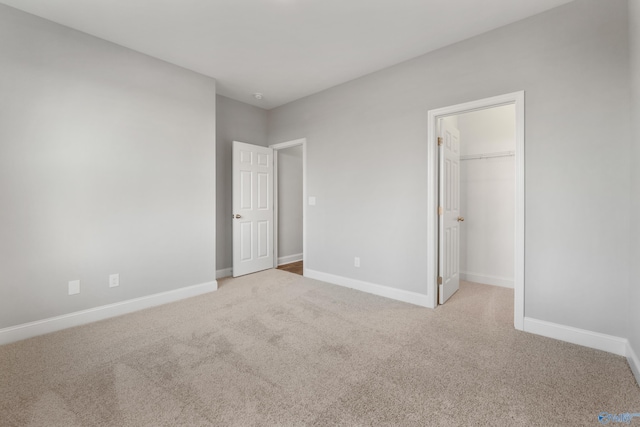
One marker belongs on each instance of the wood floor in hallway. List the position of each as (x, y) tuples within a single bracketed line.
[(294, 267)]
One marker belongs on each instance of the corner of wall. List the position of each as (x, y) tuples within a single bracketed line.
[(633, 349), (235, 121)]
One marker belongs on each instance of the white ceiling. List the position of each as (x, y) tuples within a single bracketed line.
[(285, 49)]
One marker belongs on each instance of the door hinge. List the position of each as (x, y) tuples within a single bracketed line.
[(440, 210), (439, 140), (439, 280)]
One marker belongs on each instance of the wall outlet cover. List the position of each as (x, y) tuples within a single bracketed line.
[(74, 287), (114, 280)]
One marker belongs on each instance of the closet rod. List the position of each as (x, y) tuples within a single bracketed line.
[(488, 156)]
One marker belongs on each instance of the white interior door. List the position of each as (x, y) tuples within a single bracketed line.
[(449, 212), (252, 208)]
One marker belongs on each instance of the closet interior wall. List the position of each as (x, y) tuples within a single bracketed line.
[(487, 195)]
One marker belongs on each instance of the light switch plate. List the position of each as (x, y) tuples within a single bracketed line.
[(312, 201)]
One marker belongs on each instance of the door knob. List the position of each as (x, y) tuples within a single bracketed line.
[(460, 219), (237, 216)]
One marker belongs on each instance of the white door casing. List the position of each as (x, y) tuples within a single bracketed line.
[(517, 99), (281, 146), (449, 212), (252, 208)]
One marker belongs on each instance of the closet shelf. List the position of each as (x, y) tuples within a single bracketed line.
[(488, 155)]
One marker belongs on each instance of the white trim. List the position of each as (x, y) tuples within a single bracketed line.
[(224, 272), (517, 99), (289, 259), (288, 144), (634, 362), (276, 208), (518, 286), (486, 279), (52, 324), (432, 206), (371, 288), (281, 146), (609, 343)]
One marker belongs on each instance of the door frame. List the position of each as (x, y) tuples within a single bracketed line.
[(281, 146), (514, 98)]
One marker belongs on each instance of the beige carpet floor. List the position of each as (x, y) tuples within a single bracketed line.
[(274, 348)]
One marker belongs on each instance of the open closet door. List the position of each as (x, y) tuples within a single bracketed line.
[(449, 211), (252, 208)]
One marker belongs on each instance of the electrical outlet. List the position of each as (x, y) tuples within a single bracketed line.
[(114, 280), (74, 287), (356, 262)]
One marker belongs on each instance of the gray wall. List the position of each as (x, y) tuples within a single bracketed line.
[(367, 160), (107, 165), (290, 201), (634, 299), (236, 121)]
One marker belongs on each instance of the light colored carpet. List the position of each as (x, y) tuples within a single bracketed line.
[(275, 348)]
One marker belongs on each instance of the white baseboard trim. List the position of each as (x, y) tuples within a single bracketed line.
[(289, 259), (634, 362), (609, 343), (52, 324), (486, 279), (371, 288), (225, 272)]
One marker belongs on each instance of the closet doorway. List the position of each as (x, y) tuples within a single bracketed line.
[(477, 162), (487, 194), (290, 209)]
